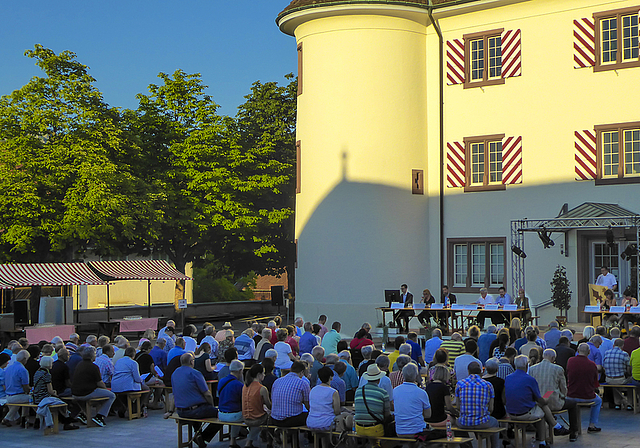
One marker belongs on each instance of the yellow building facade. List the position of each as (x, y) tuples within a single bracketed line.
[(426, 129)]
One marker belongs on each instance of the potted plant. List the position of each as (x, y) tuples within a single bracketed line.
[(561, 294)]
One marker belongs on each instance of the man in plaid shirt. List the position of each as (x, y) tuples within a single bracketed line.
[(288, 394), (475, 399), (617, 369)]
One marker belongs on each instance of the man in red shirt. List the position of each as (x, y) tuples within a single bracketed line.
[(582, 376), (632, 342)]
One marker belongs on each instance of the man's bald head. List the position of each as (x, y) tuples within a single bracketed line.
[(583, 349)]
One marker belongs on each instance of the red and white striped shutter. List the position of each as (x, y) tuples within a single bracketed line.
[(455, 62), (584, 43), (586, 161), (512, 160), (511, 65), (455, 165)]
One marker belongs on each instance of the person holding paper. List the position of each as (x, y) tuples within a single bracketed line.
[(550, 378), (406, 315)]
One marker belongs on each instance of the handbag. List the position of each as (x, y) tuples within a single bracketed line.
[(388, 423)]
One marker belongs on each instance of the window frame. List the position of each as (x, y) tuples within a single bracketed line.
[(619, 64), (469, 242), (468, 38), (486, 186), (621, 178), (299, 50)]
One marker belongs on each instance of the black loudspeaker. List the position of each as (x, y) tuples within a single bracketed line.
[(277, 295), (21, 312)]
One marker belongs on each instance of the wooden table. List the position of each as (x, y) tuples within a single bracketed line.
[(452, 315), (600, 314)]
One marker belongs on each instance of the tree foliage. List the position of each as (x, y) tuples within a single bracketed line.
[(171, 177), (560, 292), (63, 188)]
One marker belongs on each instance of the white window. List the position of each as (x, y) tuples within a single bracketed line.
[(475, 263)]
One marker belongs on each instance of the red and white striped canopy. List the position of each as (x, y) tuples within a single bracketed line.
[(138, 270), (48, 274), (5, 286)]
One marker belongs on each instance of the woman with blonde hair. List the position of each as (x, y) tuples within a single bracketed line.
[(515, 330), (425, 316)]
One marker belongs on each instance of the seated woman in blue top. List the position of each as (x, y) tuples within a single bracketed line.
[(230, 399), (126, 377)]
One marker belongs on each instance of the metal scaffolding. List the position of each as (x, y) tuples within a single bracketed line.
[(564, 225)]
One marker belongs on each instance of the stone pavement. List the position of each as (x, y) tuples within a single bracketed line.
[(620, 429)]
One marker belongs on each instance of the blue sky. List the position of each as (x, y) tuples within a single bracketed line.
[(232, 43)]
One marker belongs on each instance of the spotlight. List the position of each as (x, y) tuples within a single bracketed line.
[(610, 239), (547, 242), (629, 252), (519, 252)]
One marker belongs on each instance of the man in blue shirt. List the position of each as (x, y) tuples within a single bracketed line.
[(410, 417), (523, 399), (158, 355), (416, 350), (167, 333), (553, 334), (331, 339), (17, 387), (432, 345), (230, 396), (307, 340), (484, 343), (246, 346), (178, 350), (74, 359), (193, 398)]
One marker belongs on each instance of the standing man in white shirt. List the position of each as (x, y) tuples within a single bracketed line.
[(607, 279)]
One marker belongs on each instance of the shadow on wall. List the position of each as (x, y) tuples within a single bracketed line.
[(363, 238)]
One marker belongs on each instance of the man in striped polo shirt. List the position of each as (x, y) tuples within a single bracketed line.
[(372, 404), (454, 346)]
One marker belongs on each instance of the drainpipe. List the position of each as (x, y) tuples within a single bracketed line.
[(436, 26)]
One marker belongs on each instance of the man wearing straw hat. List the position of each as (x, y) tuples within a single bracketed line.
[(372, 404)]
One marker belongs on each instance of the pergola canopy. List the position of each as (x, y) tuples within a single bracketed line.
[(137, 270), (47, 274)]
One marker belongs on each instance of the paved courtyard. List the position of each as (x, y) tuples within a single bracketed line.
[(620, 429)]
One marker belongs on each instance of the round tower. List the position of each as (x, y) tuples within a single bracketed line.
[(361, 218)]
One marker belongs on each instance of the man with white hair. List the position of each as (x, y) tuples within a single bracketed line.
[(582, 382), (91, 340), (396, 376), (170, 324), (230, 393), (209, 333), (410, 417), (432, 345), (484, 299), (263, 345), (524, 401), (350, 376), (17, 387), (366, 352), (318, 355), (552, 335), (594, 351), (405, 349), (72, 345), (246, 347), (617, 367), (122, 343), (550, 377)]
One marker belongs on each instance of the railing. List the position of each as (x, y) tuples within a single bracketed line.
[(541, 305)]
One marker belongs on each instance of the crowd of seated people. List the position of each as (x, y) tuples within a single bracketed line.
[(296, 380)]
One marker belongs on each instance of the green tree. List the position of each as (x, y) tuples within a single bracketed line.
[(62, 188), (207, 184), (560, 292)]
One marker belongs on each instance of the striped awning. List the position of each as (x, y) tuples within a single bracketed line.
[(48, 274), (5, 286), (138, 270)]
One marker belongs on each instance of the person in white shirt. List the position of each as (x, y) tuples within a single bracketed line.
[(607, 279), (190, 344), (484, 299)]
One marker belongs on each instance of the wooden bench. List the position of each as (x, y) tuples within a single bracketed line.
[(520, 429), (54, 408), (634, 392), (134, 400), (483, 434), (165, 390), (88, 405)]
